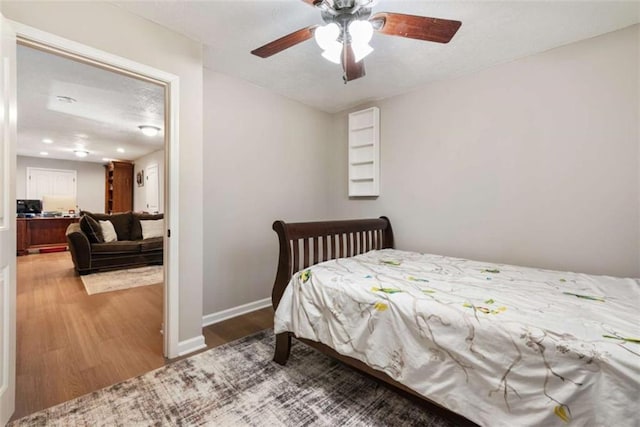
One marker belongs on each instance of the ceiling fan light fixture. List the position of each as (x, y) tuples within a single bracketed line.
[(334, 53), (361, 32), (149, 130), (327, 35), (360, 51), (327, 38), (351, 24)]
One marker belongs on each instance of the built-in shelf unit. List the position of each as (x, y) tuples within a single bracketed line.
[(364, 153), (118, 194)]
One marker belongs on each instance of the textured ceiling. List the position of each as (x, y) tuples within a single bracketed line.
[(106, 116), (111, 106), (491, 33)]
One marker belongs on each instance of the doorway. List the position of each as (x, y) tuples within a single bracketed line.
[(152, 193), (86, 360)]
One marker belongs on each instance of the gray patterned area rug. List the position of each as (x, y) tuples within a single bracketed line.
[(238, 384)]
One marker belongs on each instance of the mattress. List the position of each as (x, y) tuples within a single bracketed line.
[(498, 344)]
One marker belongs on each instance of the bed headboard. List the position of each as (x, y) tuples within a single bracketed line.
[(303, 244)]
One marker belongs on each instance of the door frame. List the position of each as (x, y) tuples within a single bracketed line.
[(8, 115), (43, 40)]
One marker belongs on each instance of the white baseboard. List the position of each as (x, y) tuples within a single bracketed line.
[(197, 343), (212, 318), (191, 345)]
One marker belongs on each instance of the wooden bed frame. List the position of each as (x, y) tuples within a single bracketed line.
[(331, 240)]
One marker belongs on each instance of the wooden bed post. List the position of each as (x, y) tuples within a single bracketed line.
[(284, 264), (387, 235), (283, 348), (283, 340)]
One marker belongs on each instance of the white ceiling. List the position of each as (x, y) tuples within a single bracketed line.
[(491, 33), (110, 106), (106, 116)]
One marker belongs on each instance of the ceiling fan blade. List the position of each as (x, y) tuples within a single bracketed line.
[(415, 27), (352, 69), (285, 42)]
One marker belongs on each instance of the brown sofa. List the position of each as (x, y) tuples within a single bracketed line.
[(130, 250)]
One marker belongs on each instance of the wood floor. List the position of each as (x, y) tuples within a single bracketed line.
[(70, 343)]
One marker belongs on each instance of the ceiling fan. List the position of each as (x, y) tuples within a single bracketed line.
[(349, 28)]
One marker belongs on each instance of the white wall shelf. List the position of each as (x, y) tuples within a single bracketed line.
[(364, 153), (355, 129), (361, 145)]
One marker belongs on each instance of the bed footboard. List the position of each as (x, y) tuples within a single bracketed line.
[(303, 244)]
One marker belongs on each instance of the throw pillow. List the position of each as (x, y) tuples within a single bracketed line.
[(121, 222), (136, 229), (108, 232), (92, 229), (152, 228)]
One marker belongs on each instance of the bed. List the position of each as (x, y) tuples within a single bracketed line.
[(497, 344)]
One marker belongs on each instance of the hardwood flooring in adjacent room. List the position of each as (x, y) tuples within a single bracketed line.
[(70, 343)]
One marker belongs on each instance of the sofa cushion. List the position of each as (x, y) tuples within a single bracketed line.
[(108, 232), (92, 229), (136, 228), (152, 228), (117, 247), (121, 222), (153, 244)]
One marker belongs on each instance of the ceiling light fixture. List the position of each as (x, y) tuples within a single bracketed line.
[(327, 38), (81, 153), (361, 33), (149, 130), (67, 99), (47, 141), (120, 150), (349, 27), (334, 37), (44, 153)]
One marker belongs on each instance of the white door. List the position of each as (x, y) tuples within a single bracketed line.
[(151, 188), (7, 221), (50, 182)]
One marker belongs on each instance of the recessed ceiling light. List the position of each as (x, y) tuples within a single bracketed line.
[(105, 159), (47, 141), (149, 130), (44, 153), (67, 99), (81, 153), (120, 150)]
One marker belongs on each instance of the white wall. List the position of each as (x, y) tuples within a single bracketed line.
[(107, 27), (139, 193), (533, 162), (266, 159), (89, 183)]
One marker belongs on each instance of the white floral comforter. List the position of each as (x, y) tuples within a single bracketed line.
[(499, 344)]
